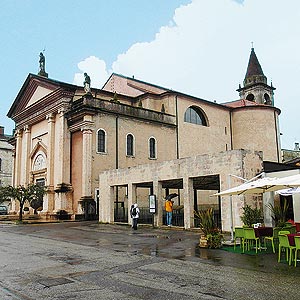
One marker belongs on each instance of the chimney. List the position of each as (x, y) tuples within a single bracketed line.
[(296, 147), (1, 130)]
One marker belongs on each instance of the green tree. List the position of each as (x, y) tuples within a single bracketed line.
[(3, 195), (31, 193)]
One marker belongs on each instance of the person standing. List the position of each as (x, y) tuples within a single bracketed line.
[(135, 214), (169, 211)]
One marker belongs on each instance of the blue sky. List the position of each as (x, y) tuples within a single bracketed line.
[(200, 47)]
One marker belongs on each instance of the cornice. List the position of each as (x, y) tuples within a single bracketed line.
[(39, 110)]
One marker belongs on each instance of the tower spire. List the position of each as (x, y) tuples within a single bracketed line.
[(255, 87), (254, 71)]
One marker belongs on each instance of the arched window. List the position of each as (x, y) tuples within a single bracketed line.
[(101, 141), (195, 116), (130, 145), (39, 162), (250, 97), (267, 99), (152, 148)]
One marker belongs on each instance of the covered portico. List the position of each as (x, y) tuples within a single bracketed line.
[(187, 174)]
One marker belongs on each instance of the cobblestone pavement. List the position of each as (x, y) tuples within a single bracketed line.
[(87, 260)]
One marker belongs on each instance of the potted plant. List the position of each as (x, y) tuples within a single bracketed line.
[(279, 213), (211, 237), (251, 216)]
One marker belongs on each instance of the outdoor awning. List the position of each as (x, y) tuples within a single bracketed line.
[(262, 185)]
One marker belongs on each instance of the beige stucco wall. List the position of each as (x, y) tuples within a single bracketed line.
[(197, 139), (254, 128), (142, 131), (222, 163)]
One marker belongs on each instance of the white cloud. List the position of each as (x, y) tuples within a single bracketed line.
[(96, 69), (205, 49)]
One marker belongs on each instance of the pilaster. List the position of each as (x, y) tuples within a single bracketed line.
[(188, 202), (158, 191), (61, 164), (25, 170), (131, 199), (87, 135), (18, 156), (48, 203)]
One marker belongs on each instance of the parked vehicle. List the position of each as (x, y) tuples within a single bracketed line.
[(3, 210)]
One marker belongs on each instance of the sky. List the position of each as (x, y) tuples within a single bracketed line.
[(198, 47)]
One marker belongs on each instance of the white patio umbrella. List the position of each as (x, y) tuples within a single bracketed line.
[(289, 191), (262, 185)]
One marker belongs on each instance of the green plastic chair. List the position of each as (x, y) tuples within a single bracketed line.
[(297, 247), (285, 245), (249, 236), (238, 234), (291, 228), (273, 238)]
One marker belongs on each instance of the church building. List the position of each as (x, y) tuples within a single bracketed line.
[(99, 150)]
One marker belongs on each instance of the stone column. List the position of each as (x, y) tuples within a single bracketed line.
[(131, 199), (48, 204), (106, 203), (25, 170), (63, 196), (50, 151), (268, 198), (18, 156), (87, 135), (158, 191), (188, 202)]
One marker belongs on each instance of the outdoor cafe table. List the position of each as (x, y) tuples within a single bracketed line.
[(263, 231), (291, 238)]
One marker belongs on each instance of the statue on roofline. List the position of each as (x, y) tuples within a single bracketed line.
[(42, 71), (87, 83)]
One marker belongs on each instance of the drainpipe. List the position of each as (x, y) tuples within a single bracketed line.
[(276, 135), (177, 133), (230, 125), (117, 160), (117, 142)]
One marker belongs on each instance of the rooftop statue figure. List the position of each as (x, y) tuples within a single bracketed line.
[(42, 71), (87, 83), (42, 62)]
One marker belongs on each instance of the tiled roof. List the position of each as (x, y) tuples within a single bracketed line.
[(254, 67), (240, 103)]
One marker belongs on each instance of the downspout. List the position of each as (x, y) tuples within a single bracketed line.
[(117, 161), (177, 140), (230, 126), (177, 133), (276, 135), (117, 142)]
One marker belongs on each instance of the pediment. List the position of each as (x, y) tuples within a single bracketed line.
[(34, 90), (38, 94)]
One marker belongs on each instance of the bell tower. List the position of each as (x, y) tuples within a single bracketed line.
[(255, 87)]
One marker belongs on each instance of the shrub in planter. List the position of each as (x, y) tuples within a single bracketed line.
[(212, 237), (279, 213), (251, 215)]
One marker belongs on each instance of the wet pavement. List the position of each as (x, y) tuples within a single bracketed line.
[(87, 260)]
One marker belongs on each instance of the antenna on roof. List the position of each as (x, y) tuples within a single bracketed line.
[(252, 45)]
